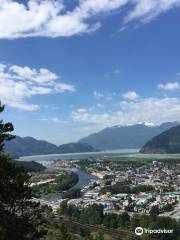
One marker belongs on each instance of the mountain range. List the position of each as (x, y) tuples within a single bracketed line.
[(132, 136), (116, 137), (166, 142), (28, 146)]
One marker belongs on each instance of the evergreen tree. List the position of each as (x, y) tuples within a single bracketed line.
[(5, 130), (20, 217), (110, 220), (92, 215), (154, 212), (65, 234), (123, 219)]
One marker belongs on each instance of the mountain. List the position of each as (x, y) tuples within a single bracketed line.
[(132, 136), (76, 148), (28, 146), (166, 142)]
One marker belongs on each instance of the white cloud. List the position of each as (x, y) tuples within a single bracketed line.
[(82, 110), (146, 10), (20, 83), (130, 95), (52, 18), (63, 87), (104, 96), (99, 105), (53, 119), (88, 117), (156, 110), (26, 73), (169, 86)]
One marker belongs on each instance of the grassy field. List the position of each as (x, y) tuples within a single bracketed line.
[(154, 156), (145, 158)]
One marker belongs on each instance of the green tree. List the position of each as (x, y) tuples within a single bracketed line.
[(166, 223), (123, 219), (99, 236), (66, 181), (5, 131), (133, 238), (135, 222), (154, 212), (65, 234), (72, 193), (63, 208), (110, 220), (20, 218), (92, 215)]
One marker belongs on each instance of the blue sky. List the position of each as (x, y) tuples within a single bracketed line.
[(71, 68)]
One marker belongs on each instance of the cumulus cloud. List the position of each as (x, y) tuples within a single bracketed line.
[(20, 83), (40, 76), (169, 86), (52, 18), (156, 110), (130, 95)]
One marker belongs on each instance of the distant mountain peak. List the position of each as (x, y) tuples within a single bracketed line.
[(127, 136), (150, 124)]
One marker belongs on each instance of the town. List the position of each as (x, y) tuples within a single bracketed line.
[(127, 185)]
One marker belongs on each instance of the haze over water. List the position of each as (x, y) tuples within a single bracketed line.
[(71, 156)]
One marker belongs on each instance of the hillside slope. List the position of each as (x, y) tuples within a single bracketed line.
[(134, 136), (29, 146), (166, 142), (76, 148), (31, 166)]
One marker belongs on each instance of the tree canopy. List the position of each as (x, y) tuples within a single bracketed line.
[(20, 217)]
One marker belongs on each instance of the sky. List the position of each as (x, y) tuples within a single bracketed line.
[(71, 68)]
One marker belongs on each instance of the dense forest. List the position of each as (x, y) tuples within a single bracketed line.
[(94, 215), (166, 142)]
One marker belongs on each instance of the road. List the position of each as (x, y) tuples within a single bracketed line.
[(42, 182)]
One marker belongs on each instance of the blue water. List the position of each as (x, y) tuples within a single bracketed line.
[(84, 178), (71, 156)]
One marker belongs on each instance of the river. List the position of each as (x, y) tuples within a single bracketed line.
[(84, 178)]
